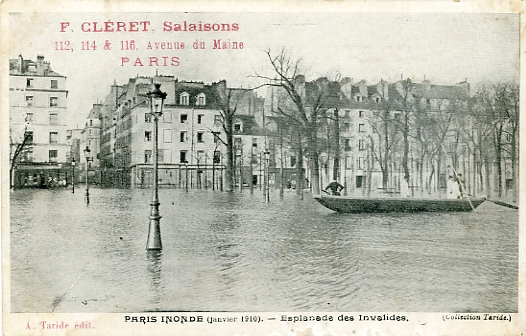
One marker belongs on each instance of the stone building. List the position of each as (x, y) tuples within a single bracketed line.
[(191, 152), (38, 123), (368, 136)]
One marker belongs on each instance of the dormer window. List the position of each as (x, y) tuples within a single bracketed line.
[(183, 99), (201, 99), (238, 126), (358, 98)]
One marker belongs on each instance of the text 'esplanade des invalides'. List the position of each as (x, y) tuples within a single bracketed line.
[(145, 26)]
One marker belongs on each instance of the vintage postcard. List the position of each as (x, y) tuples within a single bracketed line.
[(262, 168)]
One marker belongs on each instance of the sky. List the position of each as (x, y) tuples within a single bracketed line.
[(445, 48)]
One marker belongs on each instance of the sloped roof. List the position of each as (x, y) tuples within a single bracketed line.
[(250, 126), (441, 92), (95, 111), (194, 89)]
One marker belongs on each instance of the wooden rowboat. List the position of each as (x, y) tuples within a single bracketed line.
[(373, 205)]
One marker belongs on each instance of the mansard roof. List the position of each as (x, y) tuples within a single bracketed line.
[(20, 67)]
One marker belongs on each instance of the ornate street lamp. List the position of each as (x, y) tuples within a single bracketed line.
[(267, 175), (87, 155), (157, 98), (73, 175)]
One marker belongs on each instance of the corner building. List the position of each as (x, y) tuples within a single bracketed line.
[(37, 114), (190, 152)]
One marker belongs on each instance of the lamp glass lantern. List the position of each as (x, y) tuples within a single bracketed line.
[(157, 98), (87, 153)]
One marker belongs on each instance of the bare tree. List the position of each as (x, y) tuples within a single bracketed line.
[(309, 101), (229, 102), (18, 146), (433, 125), (404, 120), (385, 135), (498, 106)]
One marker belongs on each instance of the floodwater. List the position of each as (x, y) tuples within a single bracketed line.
[(234, 252)]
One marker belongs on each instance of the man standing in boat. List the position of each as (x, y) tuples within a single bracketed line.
[(460, 181), (335, 188)]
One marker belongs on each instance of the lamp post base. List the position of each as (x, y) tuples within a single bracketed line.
[(154, 230)]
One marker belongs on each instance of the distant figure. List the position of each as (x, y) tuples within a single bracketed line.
[(453, 191), (335, 188)]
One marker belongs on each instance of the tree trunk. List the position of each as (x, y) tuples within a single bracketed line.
[(336, 141), (487, 169), (405, 158), (498, 159), (229, 172), (385, 177), (299, 165), (385, 163), (514, 168), (281, 160), (314, 158)]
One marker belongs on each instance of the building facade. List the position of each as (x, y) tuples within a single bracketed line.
[(190, 134), (38, 123)]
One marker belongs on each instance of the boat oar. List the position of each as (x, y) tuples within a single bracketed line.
[(504, 204), (459, 181)]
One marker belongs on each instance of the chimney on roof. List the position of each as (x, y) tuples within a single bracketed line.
[(41, 66), (427, 84)]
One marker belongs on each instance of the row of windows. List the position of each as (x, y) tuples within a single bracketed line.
[(347, 114), (53, 101), (29, 137), (30, 81), (346, 127), (183, 118), (52, 155), (53, 118), (184, 99), (54, 139), (361, 145), (165, 156), (360, 98), (183, 136)]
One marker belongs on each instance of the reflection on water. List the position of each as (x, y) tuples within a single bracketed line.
[(234, 252), (155, 269)]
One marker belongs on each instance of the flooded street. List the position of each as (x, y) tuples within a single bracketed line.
[(234, 252)]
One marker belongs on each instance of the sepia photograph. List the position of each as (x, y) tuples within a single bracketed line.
[(219, 167)]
